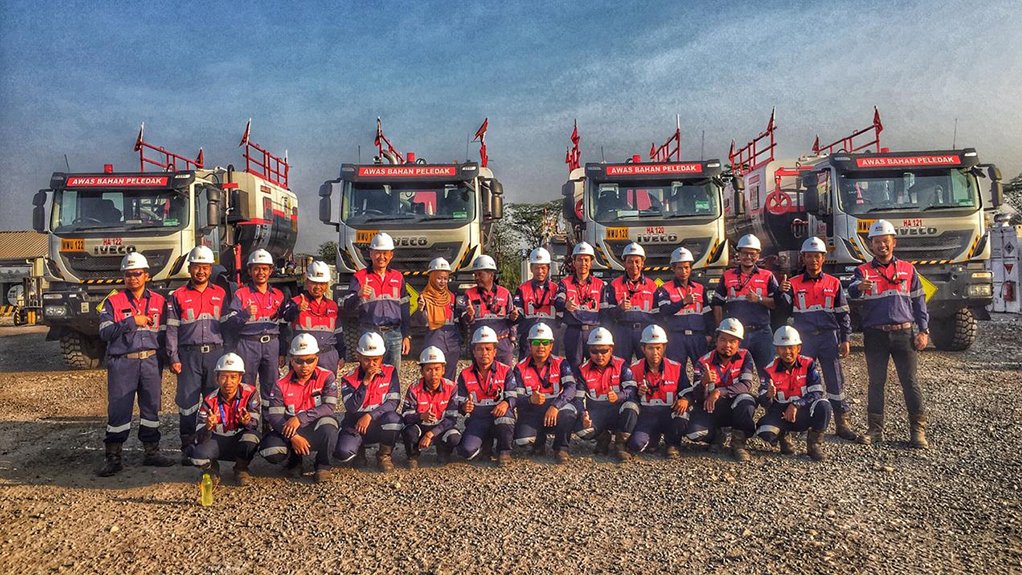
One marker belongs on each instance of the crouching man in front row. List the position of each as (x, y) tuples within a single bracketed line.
[(299, 409), (607, 387), (485, 392), (429, 414), (792, 393), (662, 387), (371, 396), (228, 423)]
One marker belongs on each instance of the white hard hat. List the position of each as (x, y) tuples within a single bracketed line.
[(432, 354), (200, 255), (484, 263), (633, 249), (732, 326), (882, 228), (541, 331), (814, 245), (260, 257), (653, 334), (318, 272), (439, 265), (787, 335), (484, 335), (583, 249), (304, 344), (134, 261), (539, 256), (230, 362), (681, 255), (600, 336), (749, 241), (371, 345), (382, 242)]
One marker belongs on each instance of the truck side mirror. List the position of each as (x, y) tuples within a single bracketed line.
[(812, 200), (496, 200), (810, 180), (326, 190), (39, 211), (996, 187), (213, 200), (739, 203), (738, 183)]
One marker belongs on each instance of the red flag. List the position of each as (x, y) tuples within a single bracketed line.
[(773, 120), (481, 132), (876, 120), (248, 131), (575, 138), (379, 132), (200, 159), (816, 145), (138, 140), (731, 152)]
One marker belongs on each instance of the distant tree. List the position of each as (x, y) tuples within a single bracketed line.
[(328, 252), (524, 227)]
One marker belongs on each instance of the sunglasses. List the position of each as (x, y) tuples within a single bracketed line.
[(541, 342), (599, 350), (133, 274), (306, 361)]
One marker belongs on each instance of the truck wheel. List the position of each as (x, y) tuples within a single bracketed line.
[(80, 351), (956, 332)]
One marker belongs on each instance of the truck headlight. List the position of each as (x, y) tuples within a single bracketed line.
[(55, 311), (52, 296), (983, 276), (981, 290)]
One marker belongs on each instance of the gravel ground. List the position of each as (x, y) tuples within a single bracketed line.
[(889, 509)]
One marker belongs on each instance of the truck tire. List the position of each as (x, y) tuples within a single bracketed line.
[(956, 332), (81, 351), (351, 335)]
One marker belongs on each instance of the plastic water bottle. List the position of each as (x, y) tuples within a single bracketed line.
[(206, 490)]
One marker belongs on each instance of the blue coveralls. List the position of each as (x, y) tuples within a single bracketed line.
[(736, 406), (535, 303), (486, 390), (732, 294), (258, 338), (379, 398), (589, 297), (385, 312), (322, 322), (656, 406), (229, 440), (687, 325), (592, 392), (313, 403), (556, 381), (418, 401), (798, 384), (627, 325)]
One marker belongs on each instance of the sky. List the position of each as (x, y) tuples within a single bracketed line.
[(77, 78)]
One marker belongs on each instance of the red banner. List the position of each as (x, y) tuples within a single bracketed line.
[(908, 161), (406, 171), (116, 181), (653, 169)]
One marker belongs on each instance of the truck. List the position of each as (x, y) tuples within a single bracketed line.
[(430, 209), (935, 198), (662, 204), (95, 218)]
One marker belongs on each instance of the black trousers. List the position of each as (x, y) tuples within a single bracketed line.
[(882, 346)]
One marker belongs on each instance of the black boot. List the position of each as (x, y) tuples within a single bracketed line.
[(602, 444), (186, 441), (787, 445), (843, 430), (814, 445), (153, 457), (717, 445), (360, 458), (443, 454), (738, 450), (112, 463), (412, 453), (384, 460), (622, 446), (241, 473)]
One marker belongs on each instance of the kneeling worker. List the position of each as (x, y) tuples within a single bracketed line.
[(428, 412)]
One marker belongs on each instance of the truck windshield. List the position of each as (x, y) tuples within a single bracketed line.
[(366, 202), (612, 202), (84, 210), (898, 191)]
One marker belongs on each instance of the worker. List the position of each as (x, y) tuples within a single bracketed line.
[(485, 392), (194, 343), (893, 303), (534, 299), (724, 399), (819, 311), (314, 313), (685, 314), (436, 311), (546, 401), (488, 304), (792, 393), (253, 320), (662, 389), (579, 299), (379, 297), (299, 411), (607, 387), (131, 325), (747, 293), (429, 414), (371, 394), (229, 423), (630, 305)]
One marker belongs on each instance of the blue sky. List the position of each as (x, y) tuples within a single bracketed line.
[(77, 78)]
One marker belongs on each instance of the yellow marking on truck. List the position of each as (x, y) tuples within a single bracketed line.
[(365, 236), (659, 282), (617, 234), (928, 287), (864, 225), (72, 245)]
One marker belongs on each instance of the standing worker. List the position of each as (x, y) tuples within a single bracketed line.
[(630, 304), (254, 319), (313, 313), (429, 414), (892, 303), (490, 305), (685, 313), (194, 343), (534, 299), (437, 304), (579, 299), (486, 389), (379, 296), (747, 293), (131, 324), (819, 312)]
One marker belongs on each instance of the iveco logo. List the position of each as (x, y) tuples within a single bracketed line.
[(112, 250), (412, 242), (658, 239), (917, 232)]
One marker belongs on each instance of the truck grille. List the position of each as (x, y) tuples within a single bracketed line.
[(417, 259), (947, 246), (89, 267), (660, 254)]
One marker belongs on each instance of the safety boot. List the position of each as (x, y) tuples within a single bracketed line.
[(814, 445), (323, 474), (562, 456), (787, 445), (843, 430), (602, 444), (918, 428), (622, 447), (717, 445), (112, 462), (412, 453), (242, 476), (153, 457), (383, 459), (672, 452), (443, 454), (360, 459), (738, 450), (504, 459), (875, 428), (186, 441), (538, 449)]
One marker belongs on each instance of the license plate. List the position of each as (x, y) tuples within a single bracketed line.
[(617, 233), (72, 245), (365, 236)]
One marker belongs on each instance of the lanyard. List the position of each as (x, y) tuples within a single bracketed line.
[(542, 376), (653, 381), (544, 299), (724, 375), (486, 383), (893, 279), (223, 413), (486, 298)]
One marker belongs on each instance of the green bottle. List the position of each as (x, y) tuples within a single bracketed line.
[(206, 490)]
